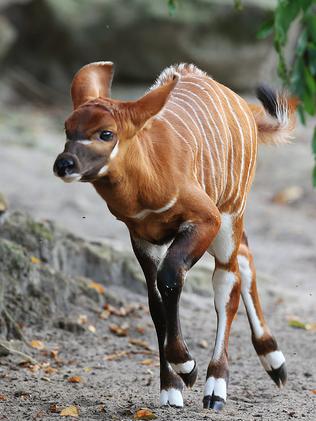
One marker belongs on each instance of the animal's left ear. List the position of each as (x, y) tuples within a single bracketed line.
[(149, 105), (92, 81)]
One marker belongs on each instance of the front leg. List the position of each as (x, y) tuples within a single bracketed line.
[(149, 257), (188, 246)]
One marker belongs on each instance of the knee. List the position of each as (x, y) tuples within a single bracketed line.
[(169, 278)]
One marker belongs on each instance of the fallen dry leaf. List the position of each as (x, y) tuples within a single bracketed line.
[(119, 330), (3, 397), (35, 260), (297, 324), (313, 391), (82, 319), (87, 369), (147, 361), (105, 314), (290, 194), (75, 379), (203, 344), (54, 408), (115, 356), (50, 370), (37, 344), (54, 354), (116, 311), (140, 343), (70, 411), (92, 328), (140, 329), (144, 414), (98, 287)]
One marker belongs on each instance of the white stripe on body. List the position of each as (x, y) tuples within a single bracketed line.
[(217, 130), (185, 94), (166, 109), (242, 141), (201, 148), (145, 212), (223, 245), (224, 123)]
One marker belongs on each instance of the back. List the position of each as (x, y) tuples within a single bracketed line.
[(219, 130)]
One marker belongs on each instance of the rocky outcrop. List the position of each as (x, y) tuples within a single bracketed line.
[(46, 271)]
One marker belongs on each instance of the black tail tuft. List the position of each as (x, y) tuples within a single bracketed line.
[(269, 99)]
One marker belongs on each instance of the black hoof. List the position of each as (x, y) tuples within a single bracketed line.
[(213, 402), (190, 378), (279, 375)]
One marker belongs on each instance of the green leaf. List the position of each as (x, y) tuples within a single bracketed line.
[(310, 82), (310, 24), (266, 28), (301, 113), (311, 58), (172, 7), (238, 4), (314, 143), (314, 176), (285, 13), (309, 103), (301, 43)]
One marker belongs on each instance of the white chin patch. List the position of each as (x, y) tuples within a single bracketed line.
[(71, 177), (171, 397)]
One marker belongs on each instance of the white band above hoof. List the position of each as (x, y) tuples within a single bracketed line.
[(171, 397)]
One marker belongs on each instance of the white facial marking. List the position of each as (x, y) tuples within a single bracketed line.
[(84, 142), (246, 280), (103, 170), (142, 214), (184, 368), (71, 177), (172, 397), (223, 245), (272, 360), (223, 282), (115, 150), (216, 386)]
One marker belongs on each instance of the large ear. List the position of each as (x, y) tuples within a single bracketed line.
[(91, 82), (143, 109)]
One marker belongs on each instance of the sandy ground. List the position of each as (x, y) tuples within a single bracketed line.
[(283, 239)]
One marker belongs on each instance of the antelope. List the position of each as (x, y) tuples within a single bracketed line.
[(176, 166)]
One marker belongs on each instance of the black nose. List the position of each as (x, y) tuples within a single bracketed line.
[(64, 166)]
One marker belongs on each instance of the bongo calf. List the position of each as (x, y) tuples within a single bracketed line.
[(176, 167)]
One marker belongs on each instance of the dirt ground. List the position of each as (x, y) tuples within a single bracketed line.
[(283, 239)]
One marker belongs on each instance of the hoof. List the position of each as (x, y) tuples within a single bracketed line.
[(172, 397), (274, 364), (215, 393), (213, 402), (188, 372), (279, 375)]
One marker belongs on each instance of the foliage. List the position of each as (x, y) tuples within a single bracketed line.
[(299, 75)]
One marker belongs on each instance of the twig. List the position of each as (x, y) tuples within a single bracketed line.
[(20, 353)]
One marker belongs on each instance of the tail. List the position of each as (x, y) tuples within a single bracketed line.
[(276, 119)]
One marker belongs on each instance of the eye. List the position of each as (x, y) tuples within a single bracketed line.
[(106, 135)]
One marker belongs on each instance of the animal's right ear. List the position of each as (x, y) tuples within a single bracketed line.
[(92, 81)]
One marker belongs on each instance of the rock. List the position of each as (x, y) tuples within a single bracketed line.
[(46, 273), (141, 38)]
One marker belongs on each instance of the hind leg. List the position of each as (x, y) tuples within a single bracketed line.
[(264, 343), (226, 284)]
